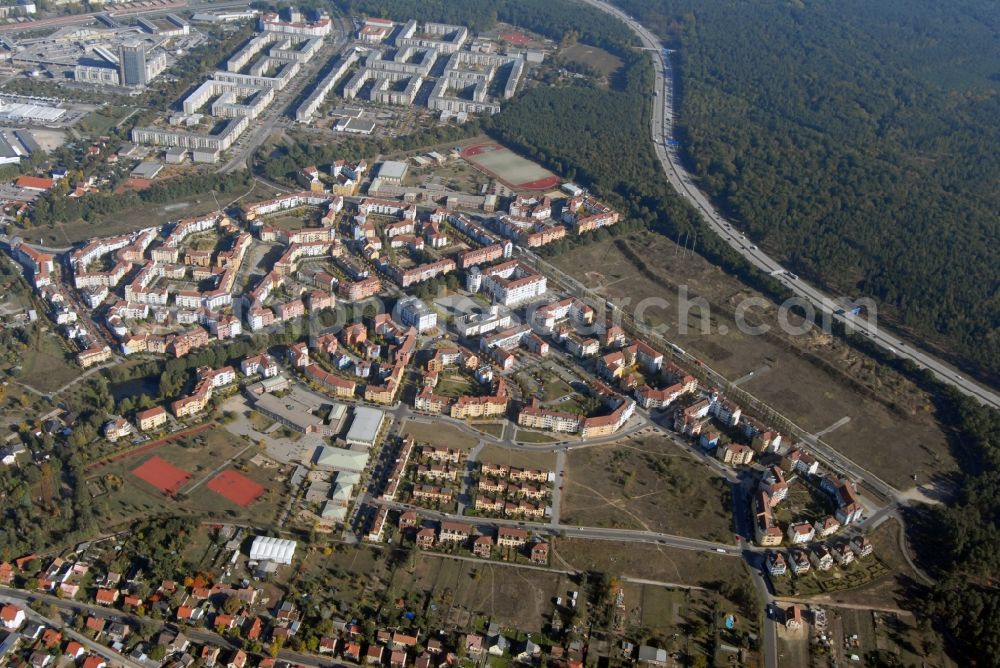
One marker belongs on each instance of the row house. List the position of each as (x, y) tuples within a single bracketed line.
[(441, 454), (489, 504), (432, 493), (534, 475), (543, 236), (437, 472), (492, 485), (485, 254), (523, 509)]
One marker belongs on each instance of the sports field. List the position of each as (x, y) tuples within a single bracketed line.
[(238, 488), (162, 475), (509, 168)]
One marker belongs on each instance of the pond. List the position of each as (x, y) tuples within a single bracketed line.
[(133, 388)]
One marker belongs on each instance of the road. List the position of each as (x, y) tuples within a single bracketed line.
[(198, 635), (20, 599), (828, 306), (60, 21), (573, 531)]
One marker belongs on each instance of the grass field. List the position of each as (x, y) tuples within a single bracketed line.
[(490, 428), (496, 454), (815, 380), (45, 365), (443, 435), (454, 385), (526, 436), (555, 387), (600, 60), (646, 482), (101, 121)]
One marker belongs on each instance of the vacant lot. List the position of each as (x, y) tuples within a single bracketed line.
[(490, 428), (646, 482), (512, 596), (813, 379), (651, 562), (497, 454), (526, 436), (888, 633), (439, 434), (143, 216)]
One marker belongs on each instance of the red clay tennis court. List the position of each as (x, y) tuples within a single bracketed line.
[(236, 487), (162, 475), (516, 38)]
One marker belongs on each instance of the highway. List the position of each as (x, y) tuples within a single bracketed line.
[(829, 307)]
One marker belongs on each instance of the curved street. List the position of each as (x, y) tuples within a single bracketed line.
[(832, 308)]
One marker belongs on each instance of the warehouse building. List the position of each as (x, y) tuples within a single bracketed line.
[(365, 427)]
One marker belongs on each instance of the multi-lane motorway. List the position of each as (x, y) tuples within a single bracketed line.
[(829, 307)]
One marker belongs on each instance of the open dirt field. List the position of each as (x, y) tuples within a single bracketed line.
[(651, 562), (441, 435), (646, 483), (815, 380), (514, 597), (495, 454)]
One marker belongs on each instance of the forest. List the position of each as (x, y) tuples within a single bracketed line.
[(858, 141), (551, 18)]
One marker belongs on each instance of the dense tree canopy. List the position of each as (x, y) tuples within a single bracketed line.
[(858, 140)]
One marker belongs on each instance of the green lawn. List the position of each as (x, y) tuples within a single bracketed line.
[(101, 121), (555, 387), (491, 428)]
